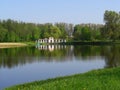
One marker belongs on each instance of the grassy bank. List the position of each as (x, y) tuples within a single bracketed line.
[(30, 43), (106, 79)]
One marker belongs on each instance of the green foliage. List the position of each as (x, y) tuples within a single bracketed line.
[(106, 79), (13, 31), (3, 33), (92, 32), (55, 32), (35, 34), (19, 31), (111, 29), (87, 32), (11, 36), (77, 32), (62, 27), (49, 30)]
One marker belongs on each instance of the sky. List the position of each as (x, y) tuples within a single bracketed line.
[(69, 11)]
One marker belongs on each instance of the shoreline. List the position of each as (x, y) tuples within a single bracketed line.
[(83, 43), (105, 79), (10, 44)]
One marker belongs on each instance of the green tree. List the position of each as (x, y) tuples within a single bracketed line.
[(82, 32), (62, 28), (54, 32), (11, 37), (3, 33), (111, 29), (85, 34), (77, 32), (35, 34), (95, 35)]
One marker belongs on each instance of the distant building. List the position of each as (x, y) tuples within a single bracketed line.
[(50, 40)]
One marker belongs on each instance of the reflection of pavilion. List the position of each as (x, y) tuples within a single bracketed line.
[(50, 47), (50, 40)]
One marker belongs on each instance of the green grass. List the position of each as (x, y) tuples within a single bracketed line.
[(30, 43), (106, 79)]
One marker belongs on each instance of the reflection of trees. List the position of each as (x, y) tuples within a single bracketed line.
[(112, 55), (20, 56), (14, 56), (86, 52)]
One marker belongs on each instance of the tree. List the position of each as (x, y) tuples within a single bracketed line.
[(111, 29), (77, 32), (62, 28), (11, 37), (95, 34), (88, 32), (3, 33), (54, 32), (85, 33), (35, 34), (82, 32)]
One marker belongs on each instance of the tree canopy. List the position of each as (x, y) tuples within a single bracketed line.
[(14, 31), (111, 29), (87, 32)]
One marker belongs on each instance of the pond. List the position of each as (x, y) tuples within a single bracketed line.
[(26, 64)]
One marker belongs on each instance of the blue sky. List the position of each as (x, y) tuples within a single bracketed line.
[(69, 11)]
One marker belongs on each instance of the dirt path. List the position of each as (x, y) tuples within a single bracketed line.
[(8, 45)]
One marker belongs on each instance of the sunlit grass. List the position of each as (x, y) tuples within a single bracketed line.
[(11, 44), (106, 79)]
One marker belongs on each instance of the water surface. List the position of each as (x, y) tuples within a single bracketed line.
[(26, 64)]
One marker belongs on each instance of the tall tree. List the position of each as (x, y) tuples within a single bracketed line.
[(111, 29), (3, 33), (62, 28), (89, 32)]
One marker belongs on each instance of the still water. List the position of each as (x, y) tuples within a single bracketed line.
[(26, 64)]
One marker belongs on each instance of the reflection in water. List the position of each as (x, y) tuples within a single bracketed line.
[(112, 55), (19, 65), (13, 57), (50, 47)]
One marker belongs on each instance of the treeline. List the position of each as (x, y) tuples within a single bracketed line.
[(87, 32), (108, 32), (111, 30), (14, 31), (24, 55)]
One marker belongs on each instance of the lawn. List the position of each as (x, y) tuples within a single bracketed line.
[(105, 79)]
